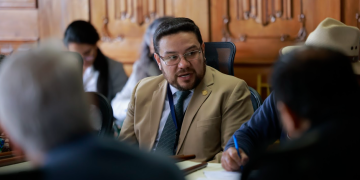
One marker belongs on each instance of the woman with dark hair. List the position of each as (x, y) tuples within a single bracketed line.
[(100, 73), (144, 67)]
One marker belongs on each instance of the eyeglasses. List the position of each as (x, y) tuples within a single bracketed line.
[(173, 60)]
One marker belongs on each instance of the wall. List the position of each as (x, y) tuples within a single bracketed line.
[(258, 28)]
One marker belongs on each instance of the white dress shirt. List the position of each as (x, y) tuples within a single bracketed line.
[(90, 78), (166, 110)]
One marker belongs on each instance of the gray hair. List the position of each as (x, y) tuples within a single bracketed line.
[(43, 103)]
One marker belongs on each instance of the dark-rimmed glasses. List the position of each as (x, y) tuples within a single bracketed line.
[(173, 60)]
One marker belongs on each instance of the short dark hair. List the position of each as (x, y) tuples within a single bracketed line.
[(81, 32), (317, 84), (173, 26)]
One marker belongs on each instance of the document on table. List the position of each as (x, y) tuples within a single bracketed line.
[(213, 171), (220, 175)]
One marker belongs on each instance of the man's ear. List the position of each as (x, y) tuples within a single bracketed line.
[(158, 60), (290, 121)]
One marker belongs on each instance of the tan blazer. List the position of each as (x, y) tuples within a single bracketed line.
[(219, 106)]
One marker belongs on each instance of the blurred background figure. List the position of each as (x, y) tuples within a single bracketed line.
[(323, 124), (4, 142), (100, 73), (45, 112), (146, 66)]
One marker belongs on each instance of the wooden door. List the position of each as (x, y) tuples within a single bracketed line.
[(260, 28), (19, 24), (122, 23)]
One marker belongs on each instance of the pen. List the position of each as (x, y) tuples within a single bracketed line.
[(237, 149)]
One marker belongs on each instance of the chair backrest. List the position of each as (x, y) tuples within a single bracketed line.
[(101, 104), (255, 98), (220, 55)]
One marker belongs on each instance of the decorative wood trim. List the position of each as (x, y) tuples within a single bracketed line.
[(246, 9), (161, 8), (146, 10), (264, 12), (152, 8), (130, 9), (278, 8), (138, 12)]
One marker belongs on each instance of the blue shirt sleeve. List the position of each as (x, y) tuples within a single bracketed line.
[(261, 130)]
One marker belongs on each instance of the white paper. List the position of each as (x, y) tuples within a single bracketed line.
[(221, 175)]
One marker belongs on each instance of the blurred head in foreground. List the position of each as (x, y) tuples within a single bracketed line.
[(314, 86), (42, 101)]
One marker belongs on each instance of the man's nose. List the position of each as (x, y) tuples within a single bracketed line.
[(183, 62)]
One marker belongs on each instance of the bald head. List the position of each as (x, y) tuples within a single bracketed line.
[(42, 100)]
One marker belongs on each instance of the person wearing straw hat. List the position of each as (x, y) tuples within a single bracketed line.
[(323, 124), (264, 127)]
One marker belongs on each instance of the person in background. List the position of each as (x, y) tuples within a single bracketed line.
[(317, 97), (100, 73), (4, 141), (191, 108), (1, 58), (146, 66), (45, 112), (264, 127)]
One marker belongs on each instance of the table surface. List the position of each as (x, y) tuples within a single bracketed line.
[(182, 165), (199, 173), (16, 167)]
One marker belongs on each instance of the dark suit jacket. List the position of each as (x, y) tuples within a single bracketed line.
[(329, 151), (117, 78), (262, 130), (104, 159)]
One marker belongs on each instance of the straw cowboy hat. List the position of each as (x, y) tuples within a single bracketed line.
[(334, 34)]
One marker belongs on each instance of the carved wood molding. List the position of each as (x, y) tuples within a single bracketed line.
[(141, 11), (138, 11), (263, 12)]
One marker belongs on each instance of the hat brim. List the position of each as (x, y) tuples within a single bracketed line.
[(288, 49)]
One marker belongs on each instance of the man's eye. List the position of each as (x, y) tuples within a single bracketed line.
[(192, 53), (172, 58)]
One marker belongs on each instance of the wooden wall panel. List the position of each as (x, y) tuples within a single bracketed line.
[(19, 25), (251, 73), (122, 23), (56, 15), (318, 10), (350, 12), (18, 4), (260, 28)]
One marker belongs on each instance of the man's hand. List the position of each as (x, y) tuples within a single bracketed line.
[(231, 161)]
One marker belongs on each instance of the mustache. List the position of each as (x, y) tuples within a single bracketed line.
[(184, 71)]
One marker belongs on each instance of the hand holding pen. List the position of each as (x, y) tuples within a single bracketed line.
[(234, 158)]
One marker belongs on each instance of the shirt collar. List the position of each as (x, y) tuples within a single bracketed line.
[(174, 90)]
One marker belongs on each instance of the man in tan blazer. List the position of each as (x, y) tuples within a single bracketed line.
[(207, 106)]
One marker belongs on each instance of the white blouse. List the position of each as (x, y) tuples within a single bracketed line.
[(90, 78)]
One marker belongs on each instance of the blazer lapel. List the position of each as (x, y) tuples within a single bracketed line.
[(201, 93), (157, 105)]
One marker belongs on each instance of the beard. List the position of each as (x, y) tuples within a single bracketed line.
[(174, 80)]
